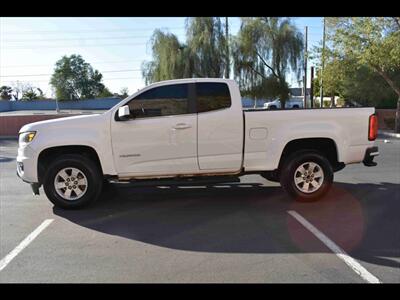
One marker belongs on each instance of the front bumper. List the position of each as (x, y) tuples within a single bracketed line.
[(370, 153), (27, 164), (27, 167), (34, 185)]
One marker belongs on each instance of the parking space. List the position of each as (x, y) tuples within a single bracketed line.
[(238, 232)]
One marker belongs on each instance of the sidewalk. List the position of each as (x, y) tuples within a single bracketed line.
[(388, 134)]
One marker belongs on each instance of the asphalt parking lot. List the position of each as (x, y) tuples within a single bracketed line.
[(239, 232)]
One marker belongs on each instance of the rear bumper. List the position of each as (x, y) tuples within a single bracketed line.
[(370, 153)]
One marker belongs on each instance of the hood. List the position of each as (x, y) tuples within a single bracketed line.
[(63, 123)]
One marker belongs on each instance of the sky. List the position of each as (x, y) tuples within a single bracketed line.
[(116, 46)]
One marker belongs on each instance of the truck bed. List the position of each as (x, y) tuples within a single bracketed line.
[(268, 131)]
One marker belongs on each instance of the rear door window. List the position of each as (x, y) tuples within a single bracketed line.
[(212, 96)]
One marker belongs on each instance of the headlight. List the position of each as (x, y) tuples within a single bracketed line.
[(26, 137)]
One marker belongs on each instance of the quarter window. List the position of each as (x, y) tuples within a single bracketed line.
[(161, 101), (212, 96)]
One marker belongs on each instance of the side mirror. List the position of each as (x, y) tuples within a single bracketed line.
[(124, 113)]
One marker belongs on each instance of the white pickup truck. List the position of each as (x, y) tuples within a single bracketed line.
[(192, 130)]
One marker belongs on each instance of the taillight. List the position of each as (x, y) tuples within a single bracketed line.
[(373, 127)]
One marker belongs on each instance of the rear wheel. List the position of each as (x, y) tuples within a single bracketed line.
[(306, 175), (72, 181)]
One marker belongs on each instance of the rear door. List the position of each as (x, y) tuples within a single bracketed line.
[(219, 127)]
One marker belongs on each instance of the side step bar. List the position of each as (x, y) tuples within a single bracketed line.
[(181, 181)]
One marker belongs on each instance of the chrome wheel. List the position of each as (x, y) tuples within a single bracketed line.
[(70, 183), (308, 177)]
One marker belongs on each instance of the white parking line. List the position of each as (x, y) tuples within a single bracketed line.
[(351, 262), (192, 187), (10, 256)]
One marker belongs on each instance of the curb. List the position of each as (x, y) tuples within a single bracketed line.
[(388, 134)]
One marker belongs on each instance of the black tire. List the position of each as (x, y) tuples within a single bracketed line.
[(87, 167), (296, 160)]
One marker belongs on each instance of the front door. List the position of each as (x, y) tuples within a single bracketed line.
[(161, 136)]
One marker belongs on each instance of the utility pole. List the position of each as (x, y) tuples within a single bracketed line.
[(312, 87), (227, 49), (57, 108), (321, 90), (305, 67)]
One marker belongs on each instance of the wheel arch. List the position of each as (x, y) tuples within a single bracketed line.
[(325, 146), (49, 154)]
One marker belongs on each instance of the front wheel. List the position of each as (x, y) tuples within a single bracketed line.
[(72, 181), (306, 176)]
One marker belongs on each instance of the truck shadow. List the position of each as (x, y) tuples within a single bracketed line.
[(4, 159), (251, 218)]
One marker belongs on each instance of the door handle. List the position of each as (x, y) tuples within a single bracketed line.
[(182, 126)]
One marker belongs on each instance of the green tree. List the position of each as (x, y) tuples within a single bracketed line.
[(5, 92), (264, 51), (73, 78), (367, 87), (203, 54), (105, 93), (373, 42), (30, 94), (207, 46), (19, 88), (170, 59)]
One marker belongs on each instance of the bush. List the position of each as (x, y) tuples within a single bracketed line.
[(387, 103)]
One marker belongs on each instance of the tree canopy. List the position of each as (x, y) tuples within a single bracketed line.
[(265, 50), (5, 92), (373, 42), (21, 91), (207, 46), (32, 93), (170, 59), (363, 60), (202, 55), (73, 78)]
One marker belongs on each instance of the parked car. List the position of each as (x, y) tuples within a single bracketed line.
[(249, 103), (276, 104), (192, 130)]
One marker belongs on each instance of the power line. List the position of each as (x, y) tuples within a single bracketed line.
[(117, 78), (88, 30), (94, 62), (75, 39), (31, 75), (72, 46)]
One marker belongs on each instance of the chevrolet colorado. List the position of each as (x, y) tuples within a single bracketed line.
[(192, 130)]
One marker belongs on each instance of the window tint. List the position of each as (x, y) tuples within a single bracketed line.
[(212, 96), (161, 101)]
